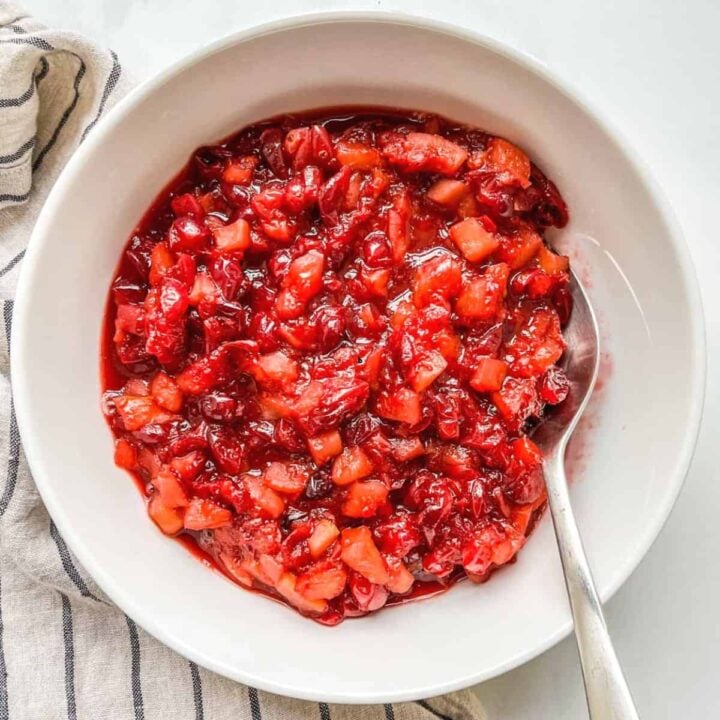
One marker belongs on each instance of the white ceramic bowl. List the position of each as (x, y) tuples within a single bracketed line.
[(635, 450)]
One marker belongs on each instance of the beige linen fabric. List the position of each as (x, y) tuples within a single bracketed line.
[(65, 651)]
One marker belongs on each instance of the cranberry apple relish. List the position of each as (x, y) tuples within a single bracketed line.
[(326, 345)]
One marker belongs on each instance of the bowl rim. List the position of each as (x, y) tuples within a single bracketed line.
[(22, 323)]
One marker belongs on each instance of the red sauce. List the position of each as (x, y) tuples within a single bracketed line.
[(324, 348)]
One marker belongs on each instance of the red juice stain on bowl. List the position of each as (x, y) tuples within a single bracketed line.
[(324, 346)]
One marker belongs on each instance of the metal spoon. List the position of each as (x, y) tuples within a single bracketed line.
[(608, 695)]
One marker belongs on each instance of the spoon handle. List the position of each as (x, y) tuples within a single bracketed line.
[(607, 692)]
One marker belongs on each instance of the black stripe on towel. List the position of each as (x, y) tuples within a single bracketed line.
[(14, 435), (324, 711), (19, 152), (135, 681), (110, 84), (424, 704), (15, 198), (4, 700), (69, 641), (30, 40), (254, 704), (197, 692), (69, 566), (22, 99), (9, 267), (65, 116), (389, 712), (13, 461)]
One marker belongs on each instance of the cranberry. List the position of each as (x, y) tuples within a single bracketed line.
[(226, 449), (188, 234), (228, 274), (138, 254), (288, 436), (398, 535), (210, 161), (376, 249), (152, 434), (318, 486), (128, 291), (271, 149), (330, 324), (554, 386), (367, 595), (218, 407)]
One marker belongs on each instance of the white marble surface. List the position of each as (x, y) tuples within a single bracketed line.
[(654, 66)]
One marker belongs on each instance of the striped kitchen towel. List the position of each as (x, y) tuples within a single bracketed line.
[(65, 651)]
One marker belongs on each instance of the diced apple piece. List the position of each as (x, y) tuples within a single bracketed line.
[(405, 449), (527, 452), (204, 374), (169, 520), (376, 281), (360, 553), (473, 240), (448, 193), (323, 582), (236, 569), (426, 370), (519, 249), (508, 159), (125, 454), (482, 298), (186, 204), (136, 411), (357, 155), (521, 516), (188, 466), (489, 375), (353, 464), (240, 171), (166, 392), (161, 260), (285, 478), (136, 386), (364, 499), (403, 405), (400, 578), (206, 515), (168, 485), (438, 277), (325, 446), (286, 586), (424, 152), (551, 263), (275, 367), (271, 568), (304, 278), (323, 536), (234, 237), (516, 400), (204, 289), (267, 501)]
